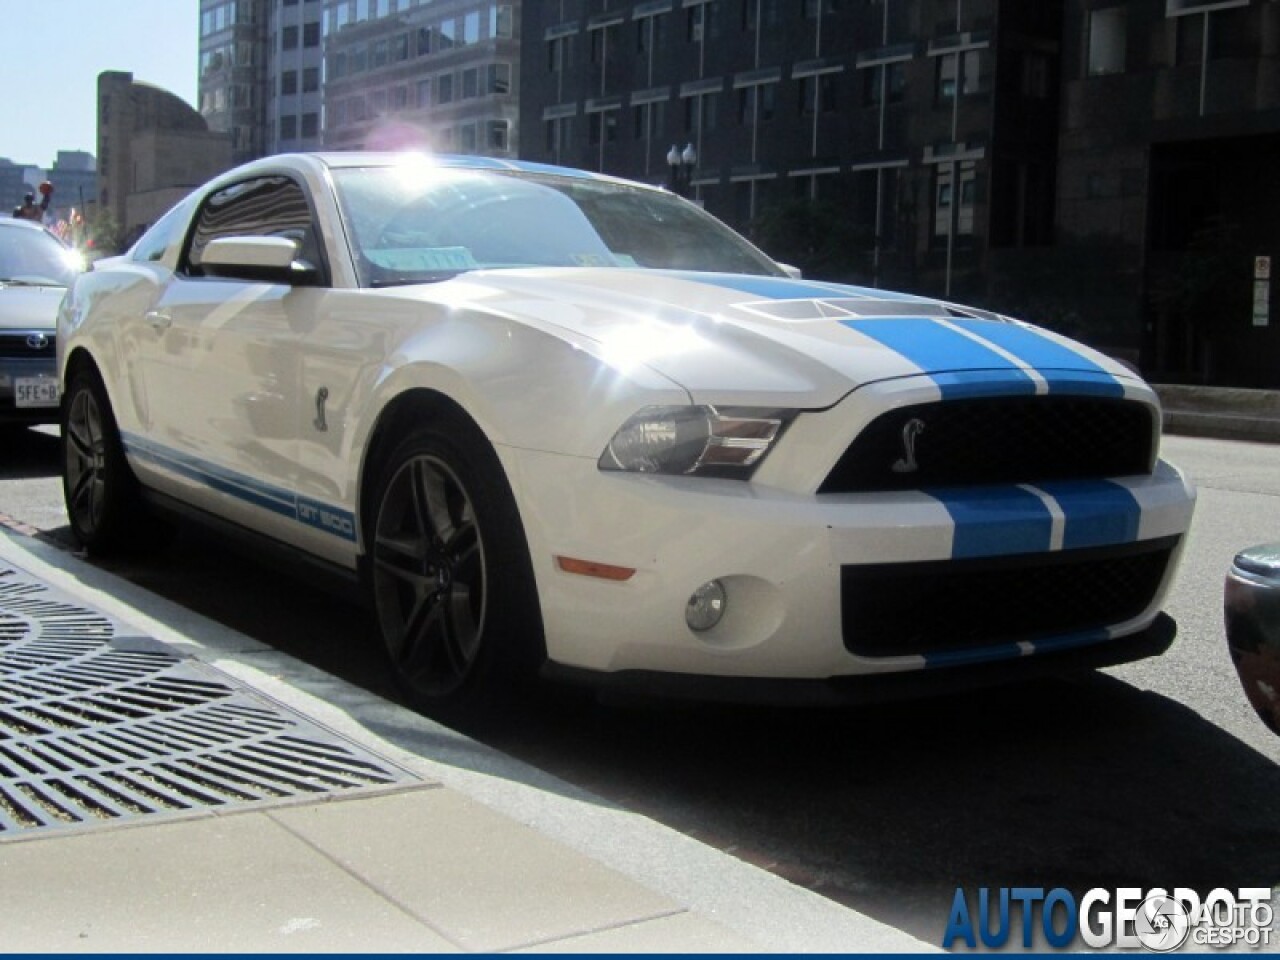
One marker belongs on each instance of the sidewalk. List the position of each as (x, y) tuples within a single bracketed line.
[(448, 847)]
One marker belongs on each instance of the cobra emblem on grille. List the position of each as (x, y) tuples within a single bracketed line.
[(37, 341), (910, 431)]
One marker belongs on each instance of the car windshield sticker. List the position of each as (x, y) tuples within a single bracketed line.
[(424, 258)]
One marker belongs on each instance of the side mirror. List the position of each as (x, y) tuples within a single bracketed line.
[(263, 259)]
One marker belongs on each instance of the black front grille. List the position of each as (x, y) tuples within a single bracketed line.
[(26, 344), (997, 440), (921, 608)]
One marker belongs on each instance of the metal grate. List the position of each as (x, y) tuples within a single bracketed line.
[(98, 725)]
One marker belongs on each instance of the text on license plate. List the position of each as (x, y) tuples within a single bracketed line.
[(35, 392)]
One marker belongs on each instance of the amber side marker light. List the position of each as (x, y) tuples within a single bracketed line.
[(589, 568)]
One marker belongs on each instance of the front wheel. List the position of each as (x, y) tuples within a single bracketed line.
[(451, 578)]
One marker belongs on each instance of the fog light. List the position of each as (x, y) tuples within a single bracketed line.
[(706, 606)]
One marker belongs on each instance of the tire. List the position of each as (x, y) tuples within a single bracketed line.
[(450, 576), (100, 491)]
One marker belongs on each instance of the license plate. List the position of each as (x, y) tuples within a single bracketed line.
[(35, 392)]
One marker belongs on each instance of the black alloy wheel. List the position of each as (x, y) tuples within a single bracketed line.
[(451, 578), (97, 485)]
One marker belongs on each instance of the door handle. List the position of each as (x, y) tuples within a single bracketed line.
[(159, 321)]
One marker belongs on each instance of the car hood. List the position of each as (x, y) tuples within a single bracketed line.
[(730, 338), (29, 308)]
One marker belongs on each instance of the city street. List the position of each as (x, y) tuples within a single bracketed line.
[(1155, 774)]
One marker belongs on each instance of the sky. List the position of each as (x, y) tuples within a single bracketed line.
[(54, 51)]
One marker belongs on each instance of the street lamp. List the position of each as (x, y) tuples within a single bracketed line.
[(682, 163)]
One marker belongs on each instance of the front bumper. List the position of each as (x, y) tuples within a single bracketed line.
[(783, 559), (876, 688)]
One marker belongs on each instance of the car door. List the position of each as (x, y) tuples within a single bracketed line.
[(219, 363)]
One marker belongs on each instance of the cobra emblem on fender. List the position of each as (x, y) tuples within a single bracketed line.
[(910, 431)]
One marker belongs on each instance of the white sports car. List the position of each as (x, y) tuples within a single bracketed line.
[(568, 424)]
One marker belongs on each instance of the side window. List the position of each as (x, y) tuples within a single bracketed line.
[(152, 244), (263, 207)]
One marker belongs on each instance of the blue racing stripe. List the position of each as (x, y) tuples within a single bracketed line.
[(313, 513), (1045, 356), (765, 288), (996, 521), (933, 346), (961, 384), (1011, 651), (1098, 513)]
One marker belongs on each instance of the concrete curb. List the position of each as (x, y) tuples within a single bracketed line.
[(1227, 413)]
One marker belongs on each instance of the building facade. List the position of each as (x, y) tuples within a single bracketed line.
[(153, 149), (892, 142), (294, 58), (233, 81), (1167, 193), (439, 75)]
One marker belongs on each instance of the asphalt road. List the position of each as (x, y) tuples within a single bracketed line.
[(1152, 774)]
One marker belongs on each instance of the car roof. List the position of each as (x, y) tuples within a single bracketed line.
[(351, 159)]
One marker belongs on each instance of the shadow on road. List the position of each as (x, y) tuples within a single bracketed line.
[(1078, 784)]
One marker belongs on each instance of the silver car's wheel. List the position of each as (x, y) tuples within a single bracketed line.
[(430, 576), (86, 468), (450, 575), (98, 488)]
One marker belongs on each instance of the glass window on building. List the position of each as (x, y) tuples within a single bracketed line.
[(890, 76), (310, 125), (289, 38), (1232, 35), (700, 113), (602, 127), (288, 82), (400, 48), (1108, 29), (500, 21), (289, 127), (470, 83), (444, 88), (311, 34), (945, 210), (962, 71), (499, 78), (399, 97), (559, 54), (471, 34), (499, 135), (310, 79), (467, 138), (379, 55), (424, 92)]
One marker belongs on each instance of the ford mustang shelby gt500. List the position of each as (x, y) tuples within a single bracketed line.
[(564, 423)]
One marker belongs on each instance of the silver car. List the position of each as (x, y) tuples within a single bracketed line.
[(35, 270)]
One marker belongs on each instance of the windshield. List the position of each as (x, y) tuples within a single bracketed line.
[(35, 257), (427, 223)]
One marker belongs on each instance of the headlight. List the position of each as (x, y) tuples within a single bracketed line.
[(701, 441)]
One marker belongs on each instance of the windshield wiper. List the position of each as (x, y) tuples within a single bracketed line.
[(406, 280)]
